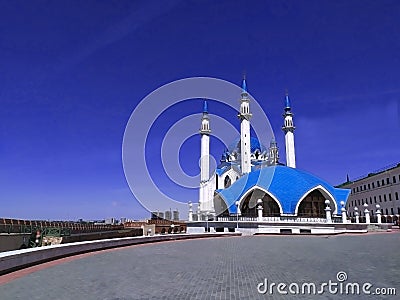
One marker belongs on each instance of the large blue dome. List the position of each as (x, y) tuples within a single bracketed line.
[(254, 145), (287, 185)]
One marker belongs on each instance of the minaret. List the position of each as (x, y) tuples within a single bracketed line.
[(204, 158), (289, 128), (245, 117)]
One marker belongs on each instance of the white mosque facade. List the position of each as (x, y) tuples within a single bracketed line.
[(250, 181)]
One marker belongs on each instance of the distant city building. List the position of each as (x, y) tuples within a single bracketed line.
[(176, 215), (381, 188), (157, 215), (111, 221), (123, 220), (168, 215)]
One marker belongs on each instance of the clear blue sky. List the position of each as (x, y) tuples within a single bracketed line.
[(72, 72)]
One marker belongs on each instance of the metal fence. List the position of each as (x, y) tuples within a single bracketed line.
[(57, 228), (280, 219)]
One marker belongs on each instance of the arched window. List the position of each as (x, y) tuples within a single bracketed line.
[(313, 205), (227, 181)]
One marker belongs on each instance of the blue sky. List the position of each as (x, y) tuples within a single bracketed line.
[(72, 72)]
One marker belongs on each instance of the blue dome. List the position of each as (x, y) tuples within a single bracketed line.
[(287, 185), (254, 145)]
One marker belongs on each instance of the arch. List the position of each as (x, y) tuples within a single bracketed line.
[(269, 204), (312, 206), (325, 193)]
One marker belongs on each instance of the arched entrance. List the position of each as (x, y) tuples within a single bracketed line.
[(249, 205), (312, 206)]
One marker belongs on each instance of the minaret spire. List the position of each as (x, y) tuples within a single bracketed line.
[(205, 107), (245, 116), (204, 201), (289, 128), (244, 85)]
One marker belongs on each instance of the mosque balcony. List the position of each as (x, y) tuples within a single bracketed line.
[(205, 131), (245, 116)]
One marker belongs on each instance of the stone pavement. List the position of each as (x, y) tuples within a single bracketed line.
[(218, 268)]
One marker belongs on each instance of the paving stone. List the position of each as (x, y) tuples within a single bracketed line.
[(220, 268)]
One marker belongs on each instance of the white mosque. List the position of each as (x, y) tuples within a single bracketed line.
[(251, 182)]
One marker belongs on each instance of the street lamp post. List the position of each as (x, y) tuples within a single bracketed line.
[(378, 214), (237, 214), (328, 211), (344, 216), (207, 221), (357, 214), (366, 212)]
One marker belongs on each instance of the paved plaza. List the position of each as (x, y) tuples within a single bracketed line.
[(218, 268)]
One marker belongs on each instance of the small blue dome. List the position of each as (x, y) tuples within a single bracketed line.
[(254, 145)]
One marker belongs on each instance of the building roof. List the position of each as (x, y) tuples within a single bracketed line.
[(372, 174), (287, 185)]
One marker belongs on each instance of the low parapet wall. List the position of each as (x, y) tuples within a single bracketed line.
[(18, 259)]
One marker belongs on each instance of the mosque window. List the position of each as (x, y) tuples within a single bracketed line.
[(387, 180), (375, 199), (369, 186), (391, 211), (365, 187), (380, 198), (396, 195), (387, 211), (378, 184), (227, 181), (398, 210), (373, 185), (370, 200), (390, 197), (383, 182), (384, 197), (394, 179)]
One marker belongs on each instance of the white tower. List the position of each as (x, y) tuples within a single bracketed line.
[(204, 160), (289, 128), (245, 117)]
